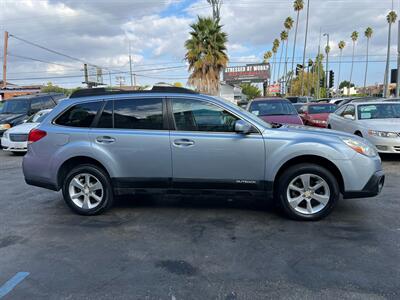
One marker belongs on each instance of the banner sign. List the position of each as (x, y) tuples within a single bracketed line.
[(247, 73), (275, 88)]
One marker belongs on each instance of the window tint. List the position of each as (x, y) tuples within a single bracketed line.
[(272, 108), (340, 110), (138, 114), (350, 110), (36, 104), (195, 115), (106, 118), (80, 115), (379, 111), (319, 109)]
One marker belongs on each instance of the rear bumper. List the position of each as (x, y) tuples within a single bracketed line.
[(32, 169), (13, 146), (41, 183), (371, 189)]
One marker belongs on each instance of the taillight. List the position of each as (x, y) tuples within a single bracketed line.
[(35, 135)]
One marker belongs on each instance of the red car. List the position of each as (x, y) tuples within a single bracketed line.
[(275, 110), (316, 114)]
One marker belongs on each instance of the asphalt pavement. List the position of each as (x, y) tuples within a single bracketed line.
[(195, 248)]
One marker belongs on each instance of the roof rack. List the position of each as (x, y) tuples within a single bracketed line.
[(104, 91)]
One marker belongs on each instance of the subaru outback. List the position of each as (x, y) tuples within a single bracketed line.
[(100, 144)]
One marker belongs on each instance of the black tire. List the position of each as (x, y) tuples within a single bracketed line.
[(329, 126), (102, 176), (300, 169)]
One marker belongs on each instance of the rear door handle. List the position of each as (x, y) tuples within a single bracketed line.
[(183, 143), (105, 140)]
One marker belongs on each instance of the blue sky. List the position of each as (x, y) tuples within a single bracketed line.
[(99, 32)]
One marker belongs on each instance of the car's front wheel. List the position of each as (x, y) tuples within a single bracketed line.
[(307, 192), (87, 190)]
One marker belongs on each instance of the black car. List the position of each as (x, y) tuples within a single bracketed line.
[(16, 110)]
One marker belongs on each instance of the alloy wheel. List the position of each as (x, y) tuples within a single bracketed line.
[(86, 191)]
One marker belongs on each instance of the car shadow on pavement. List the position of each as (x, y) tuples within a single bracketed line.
[(390, 157)]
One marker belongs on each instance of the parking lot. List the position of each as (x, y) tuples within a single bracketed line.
[(207, 248)]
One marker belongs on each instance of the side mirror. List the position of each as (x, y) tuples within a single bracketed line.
[(243, 127), (348, 117)]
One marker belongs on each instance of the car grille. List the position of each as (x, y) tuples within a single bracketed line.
[(18, 137), (397, 148)]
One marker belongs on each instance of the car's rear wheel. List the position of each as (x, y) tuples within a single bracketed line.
[(87, 190), (307, 192)]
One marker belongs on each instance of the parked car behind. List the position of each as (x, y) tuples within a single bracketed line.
[(275, 110), (379, 122), (18, 109), (300, 99), (95, 146), (316, 114), (15, 139)]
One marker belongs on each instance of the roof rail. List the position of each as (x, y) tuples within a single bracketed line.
[(113, 91)]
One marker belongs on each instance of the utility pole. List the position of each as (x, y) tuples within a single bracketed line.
[(305, 48), (327, 63), (130, 64), (216, 7), (109, 77), (398, 62), (5, 59)]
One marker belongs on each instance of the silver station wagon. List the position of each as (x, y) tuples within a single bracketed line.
[(99, 144)]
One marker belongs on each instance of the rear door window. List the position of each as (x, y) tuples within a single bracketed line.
[(80, 115), (145, 113), (106, 118)]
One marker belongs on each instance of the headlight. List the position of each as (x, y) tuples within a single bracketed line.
[(386, 134), (360, 147), (5, 126)]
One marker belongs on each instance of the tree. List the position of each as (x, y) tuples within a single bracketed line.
[(206, 54), (284, 37), (275, 48), (216, 7), (354, 38), (251, 91), (50, 88), (345, 83), (298, 5), (391, 18), (318, 69), (288, 24), (341, 46), (267, 56), (368, 34)]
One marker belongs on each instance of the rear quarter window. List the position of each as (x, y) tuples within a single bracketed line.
[(79, 115)]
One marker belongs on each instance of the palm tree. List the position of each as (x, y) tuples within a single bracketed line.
[(298, 5), (267, 56), (391, 18), (275, 47), (206, 54), (284, 37), (354, 38), (341, 46), (288, 24), (368, 34)]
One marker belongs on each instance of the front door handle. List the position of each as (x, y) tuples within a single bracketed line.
[(183, 143), (105, 140)]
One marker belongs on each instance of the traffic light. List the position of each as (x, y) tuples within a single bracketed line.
[(331, 79), (321, 82), (298, 68)]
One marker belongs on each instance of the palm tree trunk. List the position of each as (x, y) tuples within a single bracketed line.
[(286, 62), (351, 69), (295, 38), (386, 80), (273, 76), (340, 67), (280, 61), (366, 67)]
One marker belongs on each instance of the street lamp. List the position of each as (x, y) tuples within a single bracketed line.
[(327, 61)]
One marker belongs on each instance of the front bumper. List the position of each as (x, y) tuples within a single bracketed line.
[(385, 145), (371, 189)]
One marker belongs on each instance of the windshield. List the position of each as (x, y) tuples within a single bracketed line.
[(20, 106), (38, 117), (378, 111), (272, 108), (322, 109)]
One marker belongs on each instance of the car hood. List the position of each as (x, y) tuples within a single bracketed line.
[(316, 131), (382, 124), (10, 118), (283, 119), (23, 128), (323, 116)]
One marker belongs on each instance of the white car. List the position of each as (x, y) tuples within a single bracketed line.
[(378, 122), (15, 139)]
